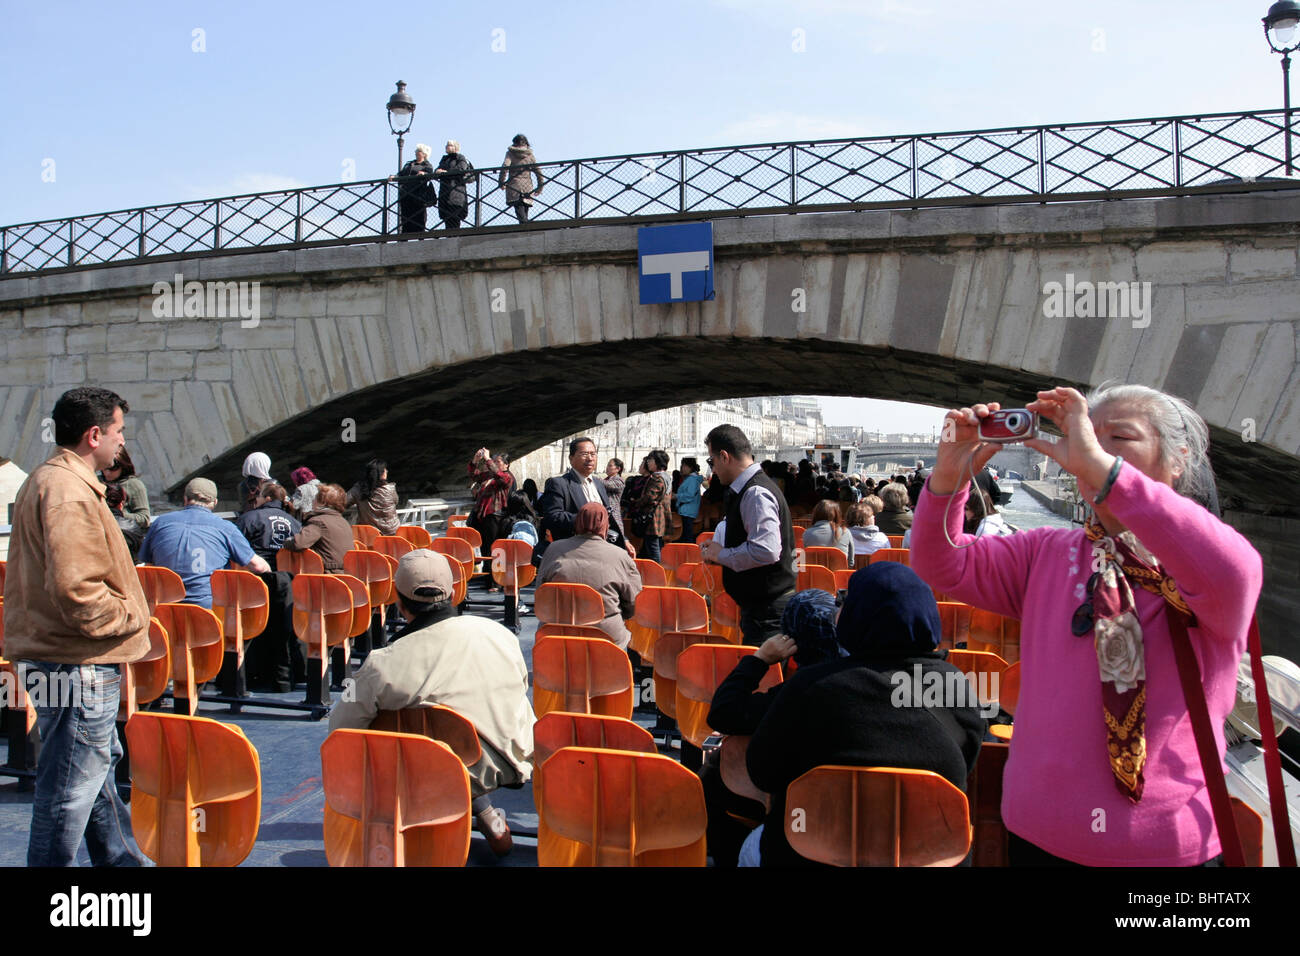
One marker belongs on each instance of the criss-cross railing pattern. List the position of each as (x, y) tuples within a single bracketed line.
[(1042, 163)]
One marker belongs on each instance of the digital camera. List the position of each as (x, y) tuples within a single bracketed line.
[(1009, 425)]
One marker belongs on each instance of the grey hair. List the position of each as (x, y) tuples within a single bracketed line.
[(895, 496), (453, 145), (1183, 435), (423, 148)]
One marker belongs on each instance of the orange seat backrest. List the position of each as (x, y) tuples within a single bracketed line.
[(667, 647), (457, 551), (364, 535), (625, 809), (891, 554), (832, 558), (394, 800), (895, 540), (582, 675), (702, 578), (558, 603), (984, 797), (242, 604), (652, 573), (735, 772), (570, 630), (842, 578), (437, 723), (1250, 827), (418, 537), (700, 669), (726, 617), (371, 569), (954, 623), (360, 604), (798, 534), (990, 631), (816, 576), (470, 535), (877, 816), (983, 671), (144, 680), (322, 613), (196, 790), (704, 537), (456, 521), (512, 564), (195, 644), (674, 555), (392, 546), (299, 562), (160, 585), (671, 609)]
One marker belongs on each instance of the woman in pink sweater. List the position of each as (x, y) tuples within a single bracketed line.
[(1103, 768)]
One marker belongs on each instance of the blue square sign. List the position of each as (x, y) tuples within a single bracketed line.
[(675, 262)]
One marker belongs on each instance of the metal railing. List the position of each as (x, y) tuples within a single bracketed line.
[(1162, 156)]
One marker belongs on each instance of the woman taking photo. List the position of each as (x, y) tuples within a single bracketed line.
[(1102, 719)]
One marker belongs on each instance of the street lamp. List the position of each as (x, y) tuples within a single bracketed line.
[(401, 114), (1280, 31)]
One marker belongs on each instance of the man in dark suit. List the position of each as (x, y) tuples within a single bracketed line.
[(567, 493)]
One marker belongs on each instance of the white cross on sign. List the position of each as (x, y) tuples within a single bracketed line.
[(673, 264)]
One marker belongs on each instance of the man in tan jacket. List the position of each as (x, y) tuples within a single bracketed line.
[(74, 611)]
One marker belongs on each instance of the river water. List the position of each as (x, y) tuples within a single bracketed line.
[(1025, 512)]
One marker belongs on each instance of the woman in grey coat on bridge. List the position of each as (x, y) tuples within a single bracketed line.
[(518, 177)]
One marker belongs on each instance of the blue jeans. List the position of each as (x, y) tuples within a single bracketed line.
[(652, 547), (76, 794)]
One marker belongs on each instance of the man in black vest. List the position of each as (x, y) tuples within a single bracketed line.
[(757, 548)]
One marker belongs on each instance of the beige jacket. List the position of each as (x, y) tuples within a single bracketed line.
[(71, 591), (469, 664), (586, 559)]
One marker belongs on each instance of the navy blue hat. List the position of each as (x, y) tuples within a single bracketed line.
[(889, 612), (809, 620)]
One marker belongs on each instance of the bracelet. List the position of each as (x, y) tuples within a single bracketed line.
[(1110, 481)]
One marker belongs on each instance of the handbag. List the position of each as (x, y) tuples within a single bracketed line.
[(640, 522), (1189, 675)]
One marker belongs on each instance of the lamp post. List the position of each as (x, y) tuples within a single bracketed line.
[(1280, 30), (401, 114)]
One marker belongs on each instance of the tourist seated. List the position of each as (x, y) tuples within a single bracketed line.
[(867, 538), (982, 517), (828, 530), (1101, 713), (267, 526), (807, 635), (895, 518), (588, 558), (305, 487), (325, 531), (524, 521), (115, 498), (269, 661), (846, 712), (468, 663)]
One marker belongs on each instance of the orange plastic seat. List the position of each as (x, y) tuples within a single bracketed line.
[(196, 647), (512, 565), (364, 535), (703, 538), (557, 603), (560, 729), (877, 816), (954, 622), (371, 569), (652, 573), (703, 579), (674, 555), (160, 585), (473, 539), (700, 669), (394, 800), (196, 790), (322, 615), (624, 809), (983, 670), (418, 537), (360, 604), (895, 540), (1250, 827), (660, 610), (832, 558), (582, 675), (842, 578), (299, 562), (392, 546), (1008, 699), (735, 772), (456, 521), (815, 576), (458, 552), (570, 630), (437, 723), (667, 647), (798, 531), (726, 618), (145, 680), (891, 554), (990, 631), (984, 797), (242, 604)]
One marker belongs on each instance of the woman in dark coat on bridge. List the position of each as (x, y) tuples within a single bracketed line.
[(453, 197)]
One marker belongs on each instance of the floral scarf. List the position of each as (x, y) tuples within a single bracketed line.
[(1118, 563)]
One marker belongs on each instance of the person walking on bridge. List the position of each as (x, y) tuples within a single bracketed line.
[(517, 177)]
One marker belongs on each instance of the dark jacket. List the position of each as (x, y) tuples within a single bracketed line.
[(560, 503), (328, 534), (412, 188), (842, 712), (894, 522), (737, 708), (267, 529), (453, 198), (131, 531)]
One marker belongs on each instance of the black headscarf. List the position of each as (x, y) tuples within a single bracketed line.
[(889, 614), (809, 620)]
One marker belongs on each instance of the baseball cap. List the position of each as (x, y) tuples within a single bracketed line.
[(424, 575), (203, 488)]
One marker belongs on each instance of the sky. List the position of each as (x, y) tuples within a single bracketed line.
[(112, 106)]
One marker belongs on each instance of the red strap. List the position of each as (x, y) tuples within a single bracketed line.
[(1272, 762), (1189, 675)]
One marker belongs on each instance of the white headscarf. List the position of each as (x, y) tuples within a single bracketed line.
[(257, 465)]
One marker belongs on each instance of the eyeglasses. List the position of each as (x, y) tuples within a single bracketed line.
[(1081, 623), (709, 462)]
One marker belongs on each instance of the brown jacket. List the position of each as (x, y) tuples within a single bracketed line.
[(656, 500), (518, 178), (379, 510), (587, 559), (328, 534), (71, 591)]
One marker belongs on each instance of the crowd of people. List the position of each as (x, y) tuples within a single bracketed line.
[(1100, 608), (446, 187)]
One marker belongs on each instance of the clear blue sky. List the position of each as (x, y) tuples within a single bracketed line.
[(289, 94)]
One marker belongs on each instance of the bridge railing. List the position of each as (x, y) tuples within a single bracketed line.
[(1162, 156)]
